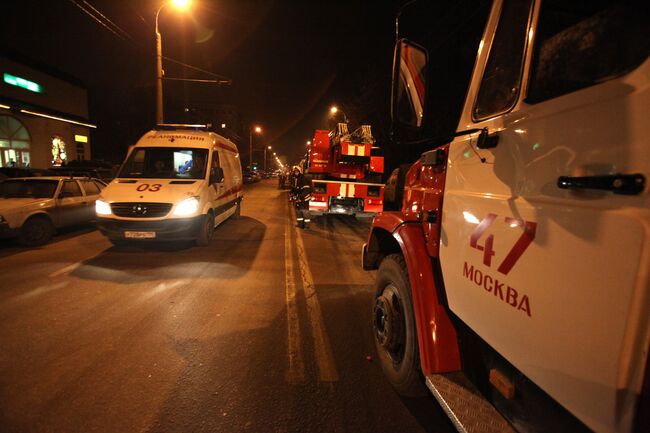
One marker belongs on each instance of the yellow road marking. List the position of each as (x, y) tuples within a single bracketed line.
[(327, 371), (296, 372)]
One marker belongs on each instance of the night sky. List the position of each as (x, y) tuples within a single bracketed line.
[(289, 61)]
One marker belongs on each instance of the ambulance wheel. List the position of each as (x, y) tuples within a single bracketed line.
[(394, 330), (207, 229), (237, 213), (118, 242), (36, 231)]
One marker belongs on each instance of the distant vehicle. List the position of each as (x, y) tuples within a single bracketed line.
[(24, 172), (32, 208), (346, 170), (104, 174), (178, 183), (248, 177)]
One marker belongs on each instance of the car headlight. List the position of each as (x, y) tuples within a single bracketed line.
[(187, 206), (102, 208)]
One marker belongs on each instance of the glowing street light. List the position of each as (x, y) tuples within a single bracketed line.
[(308, 143), (334, 110), (258, 130), (181, 5)]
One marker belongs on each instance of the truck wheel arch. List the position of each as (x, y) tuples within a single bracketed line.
[(437, 338)]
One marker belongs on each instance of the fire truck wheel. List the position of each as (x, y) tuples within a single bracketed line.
[(207, 229), (394, 328)]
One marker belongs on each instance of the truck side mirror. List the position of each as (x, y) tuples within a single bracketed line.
[(216, 175), (409, 84)]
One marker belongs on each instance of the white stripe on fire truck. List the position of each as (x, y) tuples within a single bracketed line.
[(356, 183)]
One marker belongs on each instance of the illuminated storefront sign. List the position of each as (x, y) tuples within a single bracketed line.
[(80, 138), (22, 83)]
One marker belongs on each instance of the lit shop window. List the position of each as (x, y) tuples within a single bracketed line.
[(14, 143), (59, 156)]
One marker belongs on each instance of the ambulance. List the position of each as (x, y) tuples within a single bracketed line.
[(178, 182)]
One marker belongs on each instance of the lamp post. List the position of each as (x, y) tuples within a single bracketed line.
[(265, 149), (180, 4), (250, 144)]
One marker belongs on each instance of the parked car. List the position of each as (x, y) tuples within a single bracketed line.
[(104, 173), (23, 172), (32, 208), (248, 177)]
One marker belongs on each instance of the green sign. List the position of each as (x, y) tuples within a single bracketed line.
[(21, 82)]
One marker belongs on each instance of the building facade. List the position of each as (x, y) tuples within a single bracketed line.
[(43, 117)]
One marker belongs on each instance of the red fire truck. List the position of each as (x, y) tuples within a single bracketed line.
[(346, 170), (514, 283)]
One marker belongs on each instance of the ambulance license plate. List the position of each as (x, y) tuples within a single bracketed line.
[(140, 235)]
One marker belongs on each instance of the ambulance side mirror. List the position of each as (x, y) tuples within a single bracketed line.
[(216, 175)]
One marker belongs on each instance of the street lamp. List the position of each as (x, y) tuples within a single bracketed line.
[(308, 143), (258, 130), (181, 5), (265, 149), (334, 109)]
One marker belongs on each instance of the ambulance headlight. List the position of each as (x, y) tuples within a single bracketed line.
[(102, 208), (188, 206)]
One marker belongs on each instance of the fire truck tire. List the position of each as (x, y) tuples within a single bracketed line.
[(206, 231), (394, 328)]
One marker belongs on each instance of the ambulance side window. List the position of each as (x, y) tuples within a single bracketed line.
[(215, 159)]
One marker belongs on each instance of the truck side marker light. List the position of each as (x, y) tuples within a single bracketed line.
[(502, 384)]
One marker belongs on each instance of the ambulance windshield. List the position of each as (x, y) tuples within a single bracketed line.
[(165, 163)]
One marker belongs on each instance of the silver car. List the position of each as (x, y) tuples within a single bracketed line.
[(32, 208)]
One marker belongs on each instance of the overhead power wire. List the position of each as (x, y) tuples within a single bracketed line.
[(195, 68), (115, 26), (98, 20)]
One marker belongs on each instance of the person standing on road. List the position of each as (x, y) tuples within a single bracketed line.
[(296, 181)]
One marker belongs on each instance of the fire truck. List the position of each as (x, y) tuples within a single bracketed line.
[(514, 282), (346, 170)]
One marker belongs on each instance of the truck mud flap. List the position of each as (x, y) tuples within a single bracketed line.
[(468, 410)]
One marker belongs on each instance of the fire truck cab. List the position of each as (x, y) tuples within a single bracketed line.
[(515, 280)]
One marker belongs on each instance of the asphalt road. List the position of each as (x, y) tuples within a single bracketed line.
[(265, 330)]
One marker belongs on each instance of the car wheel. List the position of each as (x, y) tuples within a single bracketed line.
[(36, 231), (394, 328), (207, 229)]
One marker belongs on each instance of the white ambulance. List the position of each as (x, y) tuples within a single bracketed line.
[(178, 182)]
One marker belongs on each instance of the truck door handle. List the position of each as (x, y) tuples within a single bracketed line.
[(628, 184)]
